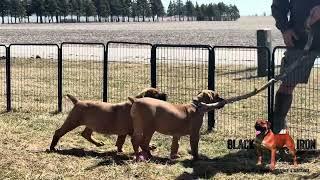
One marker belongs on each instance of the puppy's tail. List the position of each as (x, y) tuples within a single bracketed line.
[(132, 99), (73, 99)]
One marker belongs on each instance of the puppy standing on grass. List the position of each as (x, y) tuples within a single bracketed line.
[(101, 117), (266, 139), (150, 115)]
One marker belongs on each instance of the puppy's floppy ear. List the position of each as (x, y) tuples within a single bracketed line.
[(141, 95), (163, 97), (257, 126), (132, 99)]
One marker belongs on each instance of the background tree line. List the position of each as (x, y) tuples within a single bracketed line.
[(47, 11), (207, 12)]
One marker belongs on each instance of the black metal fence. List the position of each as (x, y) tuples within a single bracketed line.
[(82, 71), (34, 77), (129, 69), (236, 73), (182, 71), (3, 98), (38, 76)]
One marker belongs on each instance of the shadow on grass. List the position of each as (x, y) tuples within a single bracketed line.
[(308, 156), (108, 158), (241, 162), (3, 112), (83, 153), (111, 157)]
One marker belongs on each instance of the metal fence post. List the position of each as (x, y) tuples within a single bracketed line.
[(270, 94), (105, 74), (60, 79), (211, 86), (8, 79), (153, 66), (271, 88), (263, 40)]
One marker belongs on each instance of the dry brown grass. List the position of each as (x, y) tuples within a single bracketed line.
[(26, 134)]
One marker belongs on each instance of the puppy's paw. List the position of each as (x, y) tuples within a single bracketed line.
[(48, 151), (271, 167), (143, 156), (52, 149), (152, 147), (99, 144), (174, 156), (119, 151)]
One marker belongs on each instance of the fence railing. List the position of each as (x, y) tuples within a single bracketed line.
[(128, 71), (236, 72), (182, 71), (82, 71), (36, 77), (3, 58)]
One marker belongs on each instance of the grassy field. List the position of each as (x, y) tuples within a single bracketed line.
[(27, 131)]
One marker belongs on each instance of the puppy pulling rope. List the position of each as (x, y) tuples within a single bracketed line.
[(280, 77)]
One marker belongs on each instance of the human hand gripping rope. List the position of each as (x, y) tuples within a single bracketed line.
[(293, 66)]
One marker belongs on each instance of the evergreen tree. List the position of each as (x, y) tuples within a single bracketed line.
[(115, 7), (235, 14), (154, 8), (179, 9), (126, 11), (4, 5), (63, 8), (222, 10), (38, 9), (51, 7), (143, 9), (198, 13), (170, 11), (105, 8), (28, 8), (17, 9), (160, 11), (74, 6), (189, 9), (97, 4), (89, 9), (134, 10), (208, 12)]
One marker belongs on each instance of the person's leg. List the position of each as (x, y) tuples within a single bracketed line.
[(283, 101)]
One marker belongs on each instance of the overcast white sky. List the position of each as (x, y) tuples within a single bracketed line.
[(246, 7)]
